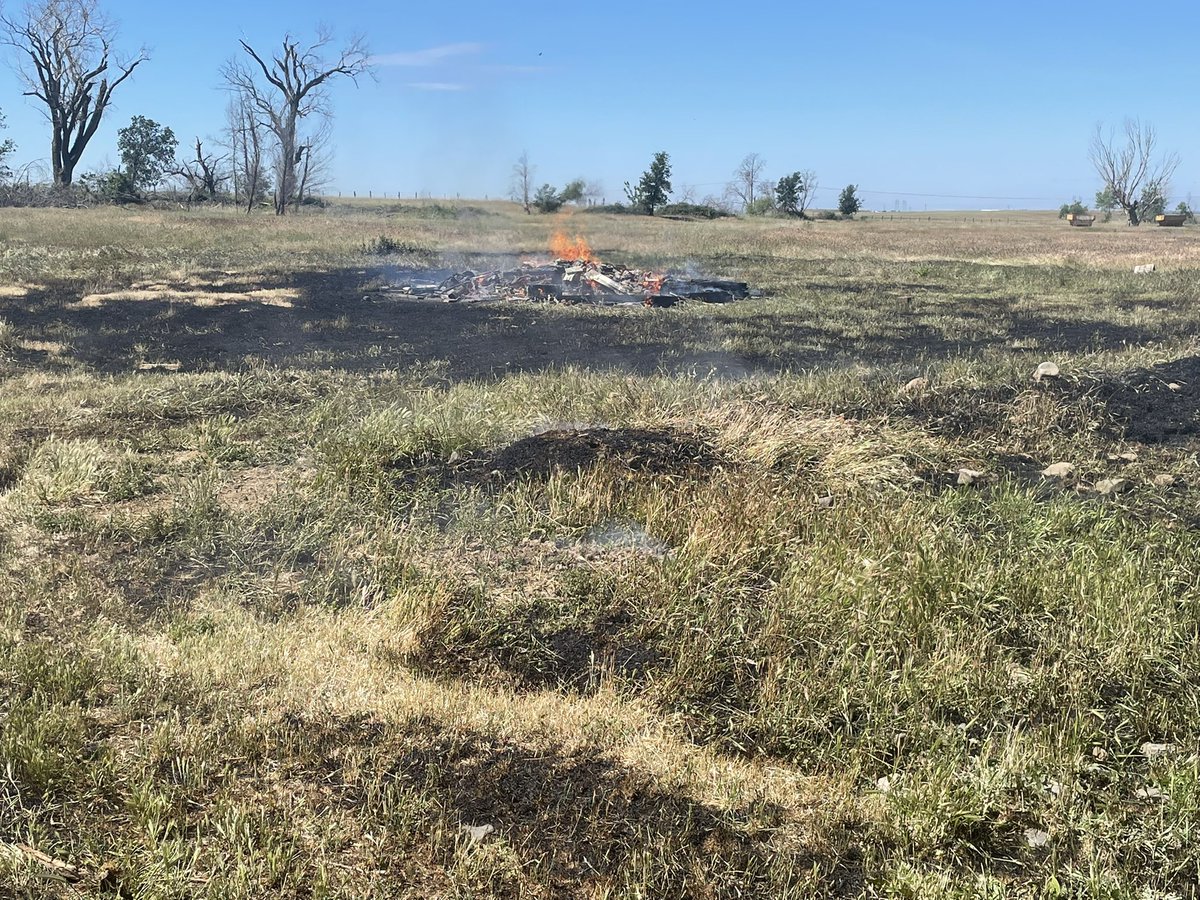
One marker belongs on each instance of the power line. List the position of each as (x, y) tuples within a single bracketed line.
[(864, 190)]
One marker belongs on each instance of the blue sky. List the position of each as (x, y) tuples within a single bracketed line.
[(938, 105)]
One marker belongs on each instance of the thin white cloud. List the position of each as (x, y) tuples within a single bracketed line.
[(430, 56), (436, 86)]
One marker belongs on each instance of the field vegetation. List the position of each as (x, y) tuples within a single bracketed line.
[(308, 589)]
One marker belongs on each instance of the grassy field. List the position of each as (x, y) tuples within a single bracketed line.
[(310, 590)]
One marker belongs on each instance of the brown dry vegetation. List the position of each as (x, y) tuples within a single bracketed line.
[(299, 578)]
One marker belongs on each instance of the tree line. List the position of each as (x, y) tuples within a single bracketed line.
[(276, 139), (749, 192)]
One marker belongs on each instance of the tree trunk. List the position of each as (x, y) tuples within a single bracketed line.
[(1133, 214), (62, 173), (287, 174)]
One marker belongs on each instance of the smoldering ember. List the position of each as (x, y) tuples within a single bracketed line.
[(575, 275)]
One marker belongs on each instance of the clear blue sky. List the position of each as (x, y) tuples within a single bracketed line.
[(991, 102)]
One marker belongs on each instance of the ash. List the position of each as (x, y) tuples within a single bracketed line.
[(570, 281)]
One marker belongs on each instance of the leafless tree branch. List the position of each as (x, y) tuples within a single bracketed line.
[(1130, 169), (285, 88), (64, 50)]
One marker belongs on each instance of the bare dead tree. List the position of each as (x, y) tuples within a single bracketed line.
[(808, 191), (202, 175), (748, 184), (313, 169), (1131, 170), (521, 186), (63, 49), (294, 88), (245, 139)]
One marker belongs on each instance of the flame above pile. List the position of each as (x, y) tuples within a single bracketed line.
[(564, 247)]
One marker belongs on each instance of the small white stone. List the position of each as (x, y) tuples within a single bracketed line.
[(1175, 386), (1151, 750), (478, 833), (969, 476), (1164, 480), (1059, 470), (1035, 837), (1045, 370), (1112, 486), (916, 386)]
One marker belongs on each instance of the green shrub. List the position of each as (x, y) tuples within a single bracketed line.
[(694, 210), (1074, 208), (386, 246), (619, 209), (763, 206)]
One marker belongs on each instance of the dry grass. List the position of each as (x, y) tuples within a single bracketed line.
[(686, 605)]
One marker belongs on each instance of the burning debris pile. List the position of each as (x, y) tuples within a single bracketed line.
[(576, 276)]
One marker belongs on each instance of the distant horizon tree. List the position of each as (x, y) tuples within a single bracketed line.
[(654, 188), (794, 192), (573, 192), (848, 201), (1074, 208), (748, 183), (1131, 172), (1106, 203), (521, 185), (1153, 200), (547, 199)]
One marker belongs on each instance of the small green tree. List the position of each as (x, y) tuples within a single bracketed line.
[(147, 151), (573, 192), (112, 186), (1106, 202), (1186, 211), (762, 206), (547, 199), (848, 201), (1074, 208), (787, 194), (794, 192), (1153, 201), (654, 187)]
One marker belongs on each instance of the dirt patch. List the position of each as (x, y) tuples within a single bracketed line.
[(648, 451), (248, 489), (661, 451), (540, 644)]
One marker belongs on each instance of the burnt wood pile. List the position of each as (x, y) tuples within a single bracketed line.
[(578, 281)]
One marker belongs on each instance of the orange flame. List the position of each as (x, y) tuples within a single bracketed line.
[(564, 248)]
